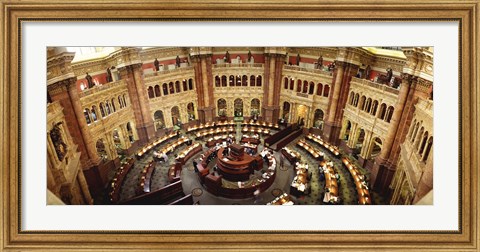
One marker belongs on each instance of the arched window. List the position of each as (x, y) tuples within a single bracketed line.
[(348, 127), (376, 147), (368, 105), (217, 81), (150, 93), (319, 89), (415, 131), (177, 86), (351, 98), (310, 89), (238, 107), (383, 109), (389, 113), (120, 101), (124, 100), (86, 113), (231, 81), (175, 115), (191, 111), (305, 87), (171, 89), (101, 151), (130, 133), (244, 80), (292, 83), (299, 86), (412, 128), (427, 150), (252, 81), (113, 105), (326, 90), (94, 113), (286, 111), (355, 101), (424, 142), (362, 102), (222, 107), (107, 108), (190, 84), (259, 81), (102, 109), (185, 85), (373, 111), (285, 85), (157, 91), (159, 120), (238, 80), (418, 139), (224, 81), (318, 119), (255, 107), (165, 89)]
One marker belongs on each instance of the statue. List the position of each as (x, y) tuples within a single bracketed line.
[(227, 57), (109, 75), (89, 81), (177, 61), (298, 59), (389, 74), (156, 64), (58, 143), (249, 55), (320, 62), (367, 72)]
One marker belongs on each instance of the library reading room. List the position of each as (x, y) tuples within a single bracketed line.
[(239, 126)]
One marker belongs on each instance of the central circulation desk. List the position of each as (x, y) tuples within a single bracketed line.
[(238, 165)]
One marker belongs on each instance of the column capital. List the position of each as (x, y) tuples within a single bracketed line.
[(62, 86)]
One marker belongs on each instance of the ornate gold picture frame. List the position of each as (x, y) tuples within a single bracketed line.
[(15, 13)]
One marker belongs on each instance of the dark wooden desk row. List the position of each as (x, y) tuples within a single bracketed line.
[(222, 130), (163, 196), (331, 148), (301, 178), (118, 180), (185, 200), (318, 155), (288, 139), (174, 172), (146, 178), (256, 130), (209, 125), (291, 155), (189, 152), (277, 136), (261, 124), (250, 140), (360, 184), (154, 144)]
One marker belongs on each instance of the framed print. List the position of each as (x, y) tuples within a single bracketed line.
[(182, 126)]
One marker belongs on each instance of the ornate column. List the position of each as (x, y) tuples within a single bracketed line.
[(84, 187), (346, 68), (417, 80), (202, 65), (273, 68), (129, 66)]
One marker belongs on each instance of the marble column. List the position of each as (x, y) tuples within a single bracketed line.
[(133, 76)]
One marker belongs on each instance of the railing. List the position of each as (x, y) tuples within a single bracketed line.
[(96, 89), (426, 105), (375, 85), (167, 71), (227, 65), (310, 70)]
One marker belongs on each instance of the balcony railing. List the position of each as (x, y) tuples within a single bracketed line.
[(167, 71), (96, 89), (310, 70), (233, 65), (375, 85)]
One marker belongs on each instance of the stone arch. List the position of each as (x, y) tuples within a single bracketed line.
[(318, 119), (159, 119)]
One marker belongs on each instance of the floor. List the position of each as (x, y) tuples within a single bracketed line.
[(191, 183)]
